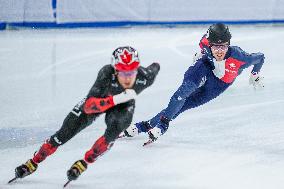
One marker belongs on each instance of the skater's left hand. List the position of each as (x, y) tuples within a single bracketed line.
[(256, 81)]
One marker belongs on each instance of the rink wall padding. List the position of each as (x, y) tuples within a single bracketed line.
[(111, 13)]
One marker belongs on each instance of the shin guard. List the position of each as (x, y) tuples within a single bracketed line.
[(45, 150), (100, 146)]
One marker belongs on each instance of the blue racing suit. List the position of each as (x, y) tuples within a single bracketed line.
[(201, 84)]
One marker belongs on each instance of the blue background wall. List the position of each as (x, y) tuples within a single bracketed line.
[(93, 13)]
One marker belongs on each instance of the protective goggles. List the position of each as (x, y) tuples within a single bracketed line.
[(127, 73), (215, 47)]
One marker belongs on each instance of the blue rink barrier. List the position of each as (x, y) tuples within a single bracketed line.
[(2, 26), (132, 23)]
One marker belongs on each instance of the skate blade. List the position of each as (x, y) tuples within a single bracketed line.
[(121, 136), (66, 183), (148, 142), (12, 180)]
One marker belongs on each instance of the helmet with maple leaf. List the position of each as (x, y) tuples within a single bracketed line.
[(125, 59)]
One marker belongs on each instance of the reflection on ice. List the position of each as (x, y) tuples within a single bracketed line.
[(21, 137)]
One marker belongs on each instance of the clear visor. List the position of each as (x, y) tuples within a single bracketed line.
[(218, 47), (127, 74)]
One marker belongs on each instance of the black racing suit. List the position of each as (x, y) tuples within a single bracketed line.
[(117, 118)]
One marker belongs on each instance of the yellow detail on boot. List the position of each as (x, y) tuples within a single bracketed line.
[(79, 166), (32, 166)]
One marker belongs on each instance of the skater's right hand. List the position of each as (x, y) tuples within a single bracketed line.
[(128, 94)]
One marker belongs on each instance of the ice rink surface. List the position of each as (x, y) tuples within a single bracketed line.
[(234, 142)]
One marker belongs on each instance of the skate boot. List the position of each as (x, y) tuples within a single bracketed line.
[(126, 134), (135, 129), (76, 170), (25, 169)]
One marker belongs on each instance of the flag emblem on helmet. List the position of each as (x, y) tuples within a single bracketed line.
[(125, 59)]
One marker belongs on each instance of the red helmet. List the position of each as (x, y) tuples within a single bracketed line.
[(125, 59)]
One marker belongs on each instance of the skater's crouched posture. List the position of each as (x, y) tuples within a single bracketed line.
[(212, 73), (113, 93)]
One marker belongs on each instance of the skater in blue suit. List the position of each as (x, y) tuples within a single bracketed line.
[(214, 71)]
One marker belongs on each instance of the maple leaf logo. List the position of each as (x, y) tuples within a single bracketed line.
[(126, 57)]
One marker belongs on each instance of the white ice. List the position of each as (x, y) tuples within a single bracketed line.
[(234, 142)]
